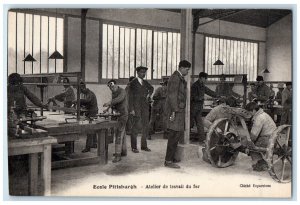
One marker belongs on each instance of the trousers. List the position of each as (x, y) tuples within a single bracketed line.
[(144, 118), (173, 139)]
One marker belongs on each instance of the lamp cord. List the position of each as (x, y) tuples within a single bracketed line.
[(55, 29)]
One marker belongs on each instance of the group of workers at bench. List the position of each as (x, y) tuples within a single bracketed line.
[(132, 103)]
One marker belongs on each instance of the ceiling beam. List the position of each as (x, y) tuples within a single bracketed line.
[(223, 17)]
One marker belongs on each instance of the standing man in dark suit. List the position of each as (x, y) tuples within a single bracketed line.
[(140, 92), (175, 110)]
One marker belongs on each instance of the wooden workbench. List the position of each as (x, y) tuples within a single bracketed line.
[(66, 132), (33, 146)]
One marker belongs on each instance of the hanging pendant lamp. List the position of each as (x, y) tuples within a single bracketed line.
[(219, 62), (266, 69), (56, 54), (29, 58)]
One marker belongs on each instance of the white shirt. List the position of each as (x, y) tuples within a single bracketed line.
[(179, 72), (140, 80)]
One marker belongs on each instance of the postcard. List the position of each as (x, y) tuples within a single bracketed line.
[(150, 102)]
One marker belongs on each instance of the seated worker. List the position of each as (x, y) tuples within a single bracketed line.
[(17, 94), (263, 92), (67, 96), (262, 128), (159, 99), (219, 111), (120, 104), (89, 103)]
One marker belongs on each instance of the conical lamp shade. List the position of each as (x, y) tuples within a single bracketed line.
[(29, 58), (266, 71), (218, 62), (56, 55)]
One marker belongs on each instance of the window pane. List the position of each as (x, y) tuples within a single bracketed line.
[(127, 52), (104, 51), (132, 52), (60, 44), (36, 44), (28, 42), (44, 45), (52, 25), (11, 43), (116, 52), (20, 42)]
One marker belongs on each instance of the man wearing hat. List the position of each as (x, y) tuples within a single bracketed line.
[(90, 103), (159, 99), (263, 92), (198, 90), (140, 92), (286, 117), (175, 111)]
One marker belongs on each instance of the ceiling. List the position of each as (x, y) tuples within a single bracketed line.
[(254, 17)]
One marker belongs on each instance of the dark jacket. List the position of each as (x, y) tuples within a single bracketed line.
[(198, 91), (67, 96), (159, 98), (90, 103), (263, 92), (138, 96), (16, 97), (176, 102)]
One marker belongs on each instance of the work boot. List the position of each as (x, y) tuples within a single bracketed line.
[(170, 164), (176, 160), (117, 158), (87, 149), (94, 146), (123, 154), (260, 166), (146, 149)]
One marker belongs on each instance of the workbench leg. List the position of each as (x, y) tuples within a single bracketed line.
[(69, 147), (33, 174), (46, 169), (101, 148)]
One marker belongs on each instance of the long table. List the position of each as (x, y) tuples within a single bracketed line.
[(68, 132), (33, 146)]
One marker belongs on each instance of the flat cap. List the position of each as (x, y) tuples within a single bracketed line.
[(140, 68)]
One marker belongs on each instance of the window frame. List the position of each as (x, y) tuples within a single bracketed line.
[(48, 15), (134, 26), (230, 38)]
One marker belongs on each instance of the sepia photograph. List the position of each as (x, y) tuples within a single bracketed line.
[(150, 102)]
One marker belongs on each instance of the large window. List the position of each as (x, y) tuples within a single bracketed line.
[(125, 48), (37, 35), (239, 57)]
